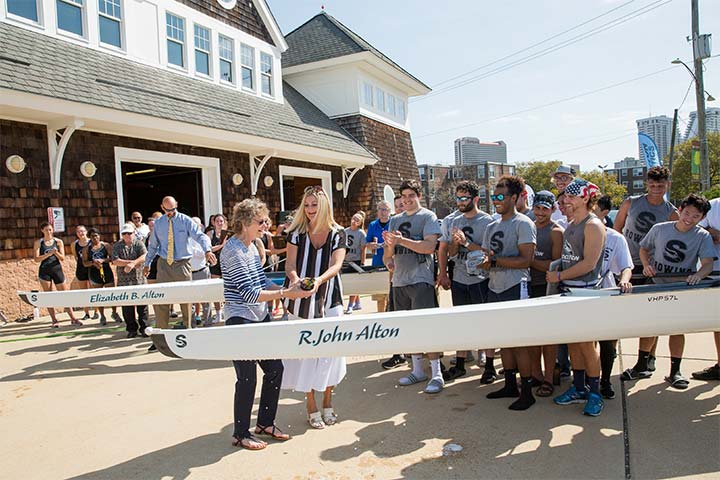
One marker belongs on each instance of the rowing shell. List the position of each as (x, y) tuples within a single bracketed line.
[(369, 282), (581, 315)]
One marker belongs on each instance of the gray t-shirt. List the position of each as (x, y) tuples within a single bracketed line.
[(411, 267), (474, 230), (503, 238), (641, 217), (355, 241), (673, 251)]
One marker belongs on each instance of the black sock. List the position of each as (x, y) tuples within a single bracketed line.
[(460, 363), (607, 358), (490, 363), (641, 365), (579, 380), (675, 365), (594, 384), (526, 399), (510, 379)]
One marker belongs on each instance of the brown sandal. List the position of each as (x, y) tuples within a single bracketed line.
[(545, 389), (244, 443), (272, 431)]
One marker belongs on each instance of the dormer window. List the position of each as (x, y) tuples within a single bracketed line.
[(175, 40), (390, 107), (27, 9), (202, 50), (379, 99), (226, 51), (266, 71), (401, 110), (367, 94), (247, 60), (70, 16), (110, 18)]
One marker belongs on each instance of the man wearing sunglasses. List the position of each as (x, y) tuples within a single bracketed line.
[(169, 241), (561, 177), (410, 244), (509, 243), (464, 235), (141, 229)]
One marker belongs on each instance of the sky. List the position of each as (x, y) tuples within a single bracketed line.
[(540, 107)]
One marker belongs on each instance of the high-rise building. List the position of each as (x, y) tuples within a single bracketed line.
[(660, 130), (471, 151), (712, 123)]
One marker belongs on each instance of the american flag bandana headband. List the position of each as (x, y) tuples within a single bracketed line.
[(582, 188)]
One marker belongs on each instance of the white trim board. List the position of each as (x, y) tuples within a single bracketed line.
[(209, 166), (324, 176)]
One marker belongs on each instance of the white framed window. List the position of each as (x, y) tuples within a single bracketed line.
[(625, 184), (401, 109), (432, 174), (638, 184), (110, 22), (266, 73), (624, 172), (175, 27), (70, 16), (367, 94), (491, 170), (379, 99), (25, 10), (202, 50), (247, 60), (637, 172), (390, 105), (226, 52)]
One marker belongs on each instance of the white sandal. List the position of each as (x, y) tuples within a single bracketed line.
[(316, 420), (329, 416)]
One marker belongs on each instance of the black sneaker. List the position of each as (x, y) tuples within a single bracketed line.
[(488, 377), (152, 348), (651, 364), (393, 362), (143, 334), (710, 373), (173, 314), (132, 334), (606, 390)]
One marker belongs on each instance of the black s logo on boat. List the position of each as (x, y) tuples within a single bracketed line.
[(181, 341)]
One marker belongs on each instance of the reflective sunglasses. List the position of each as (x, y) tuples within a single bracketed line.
[(498, 198), (463, 199)]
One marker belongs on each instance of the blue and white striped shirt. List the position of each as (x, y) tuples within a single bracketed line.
[(243, 280)]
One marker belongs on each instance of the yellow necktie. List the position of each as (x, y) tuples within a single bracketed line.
[(171, 243)]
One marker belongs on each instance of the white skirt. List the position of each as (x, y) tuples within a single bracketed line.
[(304, 375)]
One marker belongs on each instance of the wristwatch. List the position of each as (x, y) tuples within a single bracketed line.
[(493, 262)]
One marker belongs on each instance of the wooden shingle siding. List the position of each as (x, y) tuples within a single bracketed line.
[(396, 161), (243, 17)]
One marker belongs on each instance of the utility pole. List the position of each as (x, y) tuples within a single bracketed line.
[(672, 149), (700, 97)]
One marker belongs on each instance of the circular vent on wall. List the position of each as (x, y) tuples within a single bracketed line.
[(227, 4)]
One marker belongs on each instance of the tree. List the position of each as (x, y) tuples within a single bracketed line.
[(682, 181), (538, 174), (609, 186)]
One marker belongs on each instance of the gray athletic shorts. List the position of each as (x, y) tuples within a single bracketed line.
[(413, 297)]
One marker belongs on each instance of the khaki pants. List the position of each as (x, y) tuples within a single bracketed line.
[(179, 271)]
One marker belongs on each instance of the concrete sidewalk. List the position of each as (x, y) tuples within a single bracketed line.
[(88, 403)]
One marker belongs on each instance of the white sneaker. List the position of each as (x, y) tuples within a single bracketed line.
[(349, 310), (218, 318), (481, 358)]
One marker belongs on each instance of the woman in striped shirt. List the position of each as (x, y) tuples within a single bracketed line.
[(247, 291), (315, 251)]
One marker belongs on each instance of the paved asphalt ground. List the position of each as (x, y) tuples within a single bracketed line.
[(87, 403)]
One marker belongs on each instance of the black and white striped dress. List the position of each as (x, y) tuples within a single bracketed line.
[(317, 374)]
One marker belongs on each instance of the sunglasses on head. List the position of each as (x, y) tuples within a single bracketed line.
[(498, 198), (464, 198), (314, 189)]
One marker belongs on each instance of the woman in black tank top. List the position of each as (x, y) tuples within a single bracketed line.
[(97, 257), (586, 232), (49, 253), (81, 271), (218, 236)]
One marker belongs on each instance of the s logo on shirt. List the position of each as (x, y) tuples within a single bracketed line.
[(675, 251), (404, 229), (496, 244), (645, 221)]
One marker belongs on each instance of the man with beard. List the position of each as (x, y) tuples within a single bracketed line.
[(509, 243), (463, 236)]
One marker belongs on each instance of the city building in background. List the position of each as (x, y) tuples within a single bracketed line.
[(712, 123), (658, 128), (630, 172), (471, 151)]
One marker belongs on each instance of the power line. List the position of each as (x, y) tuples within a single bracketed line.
[(533, 45), (566, 141), (538, 107), (582, 147), (565, 43)]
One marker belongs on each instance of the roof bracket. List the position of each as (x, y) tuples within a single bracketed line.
[(348, 174), (58, 134), (257, 163)]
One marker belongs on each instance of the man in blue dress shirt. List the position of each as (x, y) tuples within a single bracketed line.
[(169, 241)]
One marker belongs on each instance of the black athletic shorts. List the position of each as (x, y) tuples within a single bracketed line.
[(537, 291), (53, 273), (517, 292), (469, 294), (81, 273), (413, 297)]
